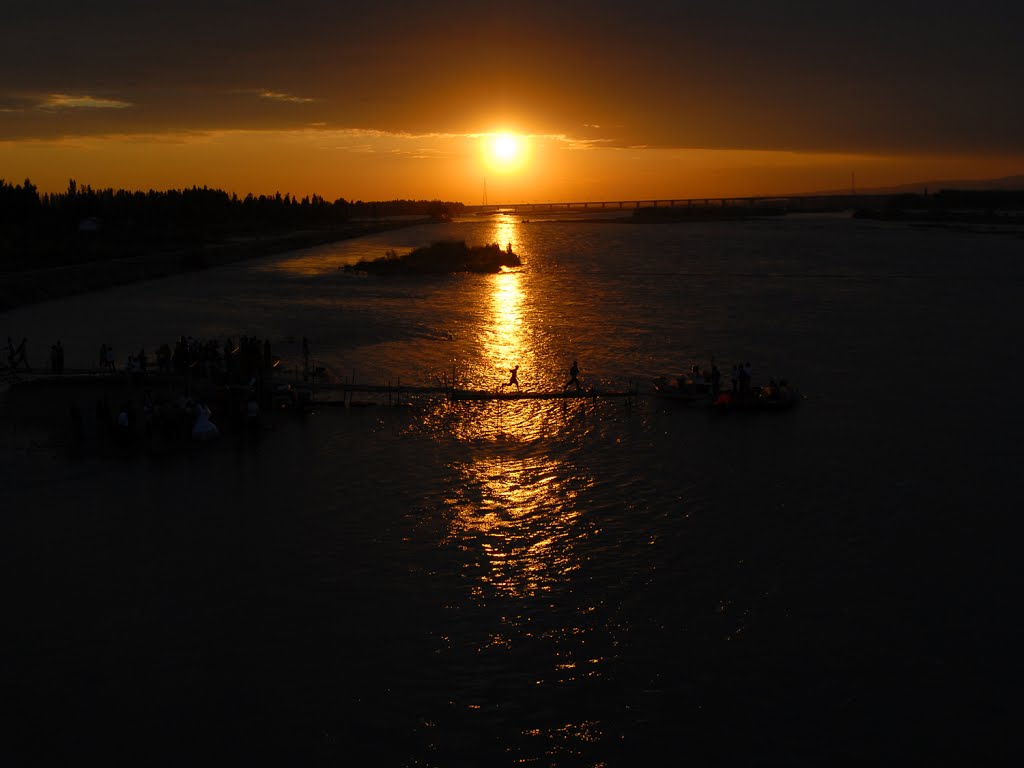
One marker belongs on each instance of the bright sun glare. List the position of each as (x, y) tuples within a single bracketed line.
[(505, 151), (505, 146)]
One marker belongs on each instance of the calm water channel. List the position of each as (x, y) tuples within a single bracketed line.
[(544, 582)]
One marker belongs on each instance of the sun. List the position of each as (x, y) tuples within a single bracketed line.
[(504, 152), (505, 147)]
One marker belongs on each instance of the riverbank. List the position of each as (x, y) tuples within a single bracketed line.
[(33, 286)]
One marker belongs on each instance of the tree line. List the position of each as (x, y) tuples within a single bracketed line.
[(83, 224)]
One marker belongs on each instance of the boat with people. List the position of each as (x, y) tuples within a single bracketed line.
[(698, 388), (771, 397), (682, 389)]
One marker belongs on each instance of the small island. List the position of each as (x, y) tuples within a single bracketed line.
[(442, 257)]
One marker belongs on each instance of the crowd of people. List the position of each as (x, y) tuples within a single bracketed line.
[(220, 379), (200, 358)]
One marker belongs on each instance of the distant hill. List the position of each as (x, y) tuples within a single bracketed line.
[(1006, 182)]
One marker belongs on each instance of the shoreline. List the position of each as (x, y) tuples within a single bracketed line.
[(19, 289)]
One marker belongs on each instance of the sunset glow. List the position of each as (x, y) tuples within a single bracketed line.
[(504, 152), (511, 384), (599, 110)]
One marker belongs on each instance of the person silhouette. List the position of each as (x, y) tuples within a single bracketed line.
[(574, 374), (21, 357), (513, 379)]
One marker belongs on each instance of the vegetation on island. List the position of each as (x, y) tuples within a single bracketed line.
[(442, 257)]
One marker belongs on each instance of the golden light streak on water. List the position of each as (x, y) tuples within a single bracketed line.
[(505, 333), (502, 337), (524, 517), (506, 233)]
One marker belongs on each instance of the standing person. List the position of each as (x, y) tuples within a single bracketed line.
[(305, 353), (513, 379), (21, 356), (574, 377), (111, 366)]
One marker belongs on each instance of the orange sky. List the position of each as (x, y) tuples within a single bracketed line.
[(358, 165), (397, 100)]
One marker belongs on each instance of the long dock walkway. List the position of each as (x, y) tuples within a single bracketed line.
[(314, 391), (457, 394)]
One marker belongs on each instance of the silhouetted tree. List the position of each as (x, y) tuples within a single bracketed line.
[(37, 231)]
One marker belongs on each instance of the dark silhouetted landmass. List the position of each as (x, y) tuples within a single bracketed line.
[(924, 187), (953, 206), (85, 239), (704, 212), (442, 257), (83, 224)]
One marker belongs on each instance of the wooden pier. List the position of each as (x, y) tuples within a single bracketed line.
[(396, 393), (474, 394), (310, 392)]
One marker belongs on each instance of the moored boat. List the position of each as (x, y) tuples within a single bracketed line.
[(686, 390), (769, 398), (681, 390)]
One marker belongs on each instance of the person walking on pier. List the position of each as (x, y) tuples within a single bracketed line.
[(574, 377), (513, 379)]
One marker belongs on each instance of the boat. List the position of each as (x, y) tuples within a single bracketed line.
[(686, 391), (768, 398), (681, 390)]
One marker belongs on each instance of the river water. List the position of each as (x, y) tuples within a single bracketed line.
[(545, 582)]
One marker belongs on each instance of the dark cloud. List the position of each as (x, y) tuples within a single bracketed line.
[(862, 76)]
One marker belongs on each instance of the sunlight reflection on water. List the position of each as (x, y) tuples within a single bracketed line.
[(523, 517)]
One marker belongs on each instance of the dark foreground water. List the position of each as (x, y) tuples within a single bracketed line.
[(545, 583)]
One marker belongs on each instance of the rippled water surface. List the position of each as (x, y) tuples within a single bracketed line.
[(563, 582)]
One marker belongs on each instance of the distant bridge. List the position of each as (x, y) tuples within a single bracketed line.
[(788, 202)]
